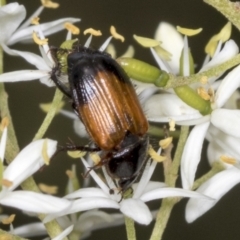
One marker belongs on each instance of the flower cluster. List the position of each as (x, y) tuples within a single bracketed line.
[(219, 125)]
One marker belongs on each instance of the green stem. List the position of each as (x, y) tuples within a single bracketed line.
[(171, 174), (7, 236), (131, 233), (213, 72), (50, 115), (216, 168), (229, 9), (12, 150)]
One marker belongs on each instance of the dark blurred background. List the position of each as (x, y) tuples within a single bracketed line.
[(129, 17)]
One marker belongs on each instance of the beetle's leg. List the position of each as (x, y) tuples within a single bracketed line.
[(65, 90), (75, 148), (104, 160)]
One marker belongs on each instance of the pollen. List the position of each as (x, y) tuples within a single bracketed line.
[(204, 80), (37, 40), (189, 32), (76, 154), (35, 21), (146, 42), (48, 189), (93, 32), (4, 123), (223, 36), (9, 219), (72, 28), (155, 156), (45, 156), (45, 107), (172, 125), (95, 157), (70, 174), (115, 34), (6, 183), (229, 160), (49, 4), (202, 92), (165, 142)]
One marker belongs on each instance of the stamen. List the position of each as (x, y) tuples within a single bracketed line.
[(95, 157), (72, 28), (6, 183), (154, 155), (165, 142), (229, 160), (35, 21), (146, 42), (163, 53), (8, 220), (223, 36), (48, 189), (211, 93), (105, 44), (70, 174), (49, 4), (202, 92), (39, 41), (186, 64), (45, 156), (88, 42), (188, 32), (92, 32), (4, 123), (204, 80), (45, 107), (172, 125), (76, 154), (115, 34)]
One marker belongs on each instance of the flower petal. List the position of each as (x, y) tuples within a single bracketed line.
[(192, 154), (227, 121), (27, 162), (48, 28), (215, 187), (84, 205), (170, 192), (228, 86), (11, 15), (172, 41), (162, 107), (92, 220), (30, 230), (226, 144), (31, 58), (229, 50), (87, 192), (137, 210), (22, 75), (33, 202)]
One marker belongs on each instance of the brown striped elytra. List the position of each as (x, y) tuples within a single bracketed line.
[(106, 102)]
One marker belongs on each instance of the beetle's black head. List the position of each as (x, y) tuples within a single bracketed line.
[(128, 162)]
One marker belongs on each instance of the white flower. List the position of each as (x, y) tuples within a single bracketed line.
[(223, 134), (11, 16), (135, 207), (162, 107), (28, 161)]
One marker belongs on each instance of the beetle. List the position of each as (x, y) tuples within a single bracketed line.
[(105, 101)]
